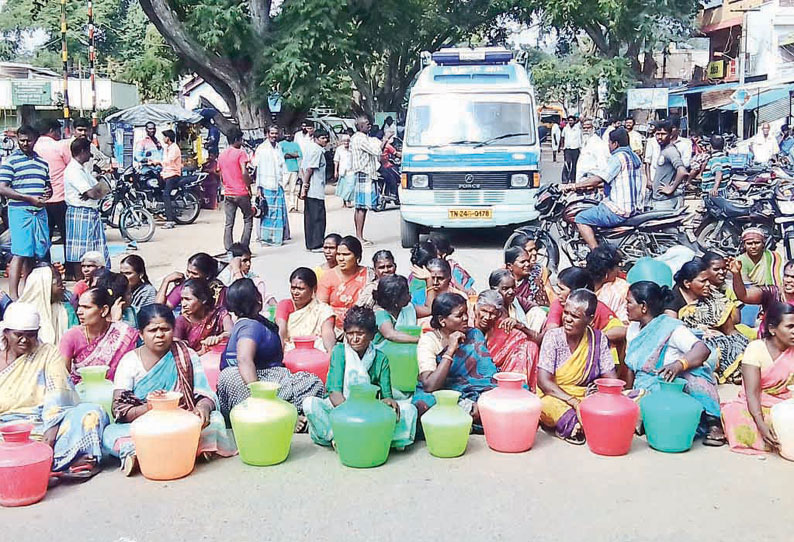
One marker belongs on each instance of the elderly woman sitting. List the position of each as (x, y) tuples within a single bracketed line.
[(162, 364), (45, 291), (507, 339), (35, 389), (572, 357)]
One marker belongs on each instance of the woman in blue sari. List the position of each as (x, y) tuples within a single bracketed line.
[(453, 357), (663, 348), (162, 364)]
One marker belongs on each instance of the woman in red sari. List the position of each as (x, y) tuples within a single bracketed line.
[(202, 324), (340, 287), (507, 339)]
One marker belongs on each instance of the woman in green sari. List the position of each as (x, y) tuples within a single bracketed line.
[(162, 364), (760, 266)]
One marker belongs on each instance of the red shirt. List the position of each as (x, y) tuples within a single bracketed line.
[(602, 316), (231, 163)]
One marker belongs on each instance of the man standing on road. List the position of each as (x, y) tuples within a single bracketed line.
[(623, 189), (24, 180), (594, 153), (635, 138), (651, 155), (571, 144), (232, 164), (292, 157), (365, 152), (148, 150), (683, 144), (270, 169), (56, 153), (305, 135), (83, 129), (86, 232), (313, 191), (668, 183), (556, 134), (764, 145)]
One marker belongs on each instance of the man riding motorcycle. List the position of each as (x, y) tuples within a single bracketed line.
[(624, 189)]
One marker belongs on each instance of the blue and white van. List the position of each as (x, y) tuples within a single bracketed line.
[(471, 150)]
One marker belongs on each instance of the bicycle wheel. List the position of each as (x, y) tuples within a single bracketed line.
[(136, 224)]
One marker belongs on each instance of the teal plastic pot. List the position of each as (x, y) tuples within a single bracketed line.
[(363, 428), (670, 417), (446, 425), (402, 360), (652, 270)]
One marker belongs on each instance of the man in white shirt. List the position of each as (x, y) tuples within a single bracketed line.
[(652, 151), (305, 135), (84, 229), (613, 123), (556, 134), (270, 168), (594, 154), (635, 138), (764, 145), (571, 145), (683, 144)]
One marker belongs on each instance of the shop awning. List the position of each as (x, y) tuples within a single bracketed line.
[(677, 97), (762, 97)]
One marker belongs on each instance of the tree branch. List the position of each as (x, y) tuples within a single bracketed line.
[(260, 16), (599, 40)]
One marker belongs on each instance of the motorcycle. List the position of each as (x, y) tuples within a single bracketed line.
[(186, 197), (650, 233), (120, 209), (387, 183)]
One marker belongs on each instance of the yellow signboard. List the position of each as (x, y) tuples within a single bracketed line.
[(716, 69)]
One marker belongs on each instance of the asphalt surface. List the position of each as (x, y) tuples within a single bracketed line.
[(555, 491)]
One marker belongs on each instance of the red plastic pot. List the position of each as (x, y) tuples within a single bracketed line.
[(609, 418), (24, 466), (211, 363), (305, 357), (509, 414)]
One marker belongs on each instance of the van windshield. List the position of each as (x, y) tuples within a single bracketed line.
[(444, 119)]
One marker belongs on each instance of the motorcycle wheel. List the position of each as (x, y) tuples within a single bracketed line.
[(136, 224), (726, 241), (548, 253), (186, 208), (381, 206)]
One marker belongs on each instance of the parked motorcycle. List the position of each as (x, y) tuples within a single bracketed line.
[(186, 197), (650, 233), (121, 209)]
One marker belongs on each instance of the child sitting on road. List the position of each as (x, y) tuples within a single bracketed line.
[(394, 308)]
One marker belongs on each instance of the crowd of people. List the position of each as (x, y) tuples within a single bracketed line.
[(560, 333)]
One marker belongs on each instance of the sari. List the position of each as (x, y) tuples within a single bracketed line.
[(56, 316), (581, 368), (371, 368), (740, 429), (308, 322), (107, 349), (179, 370), (460, 277), (514, 353), (531, 292), (646, 353), (195, 332), (342, 294), (711, 313), (36, 389), (767, 272), (613, 295), (471, 374)]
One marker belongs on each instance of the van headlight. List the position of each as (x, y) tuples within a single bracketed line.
[(519, 180), (420, 181)]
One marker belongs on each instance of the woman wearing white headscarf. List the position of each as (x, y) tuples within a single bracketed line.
[(45, 291)]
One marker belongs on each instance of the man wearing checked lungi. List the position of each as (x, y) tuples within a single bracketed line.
[(84, 229)]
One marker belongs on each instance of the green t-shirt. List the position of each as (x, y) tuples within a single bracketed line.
[(379, 372), (382, 316)]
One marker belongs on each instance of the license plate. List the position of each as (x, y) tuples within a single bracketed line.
[(470, 214)]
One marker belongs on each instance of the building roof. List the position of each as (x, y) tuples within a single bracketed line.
[(17, 70)]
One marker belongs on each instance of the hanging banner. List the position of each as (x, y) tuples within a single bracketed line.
[(646, 98)]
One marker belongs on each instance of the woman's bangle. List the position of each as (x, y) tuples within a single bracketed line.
[(684, 364), (447, 356)]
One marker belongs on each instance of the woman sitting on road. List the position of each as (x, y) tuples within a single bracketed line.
[(330, 244), (507, 339), (717, 272), (383, 264), (200, 266), (572, 357), (603, 264), (201, 324), (97, 340), (140, 290), (340, 287), (302, 315), (240, 268), (660, 347), (117, 287), (162, 364), (439, 282), (760, 266), (393, 309), (767, 373), (713, 315), (254, 353), (453, 356), (421, 254), (461, 279), (45, 291), (357, 361), (537, 285), (35, 389), (90, 262), (503, 282), (765, 296)]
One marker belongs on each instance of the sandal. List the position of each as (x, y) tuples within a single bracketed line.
[(302, 425), (577, 437), (714, 441), (79, 472), (129, 465)]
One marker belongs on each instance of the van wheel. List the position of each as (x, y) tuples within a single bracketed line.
[(409, 233)]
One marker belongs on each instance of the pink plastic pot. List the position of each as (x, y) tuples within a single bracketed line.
[(24, 466), (609, 418), (211, 363), (509, 414), (305, 357)]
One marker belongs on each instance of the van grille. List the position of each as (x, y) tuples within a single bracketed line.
[(453, 181), (474, 197)]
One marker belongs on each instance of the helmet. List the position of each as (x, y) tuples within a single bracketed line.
[(545, 201)]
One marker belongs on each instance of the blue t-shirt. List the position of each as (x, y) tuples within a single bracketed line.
[(27, 175), (290, 147), (268, 345)]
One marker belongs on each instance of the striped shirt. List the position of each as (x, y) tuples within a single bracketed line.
[(718, 161), (365, 153), (624, 184), (27, 175)]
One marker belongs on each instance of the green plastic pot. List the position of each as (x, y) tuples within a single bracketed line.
[(263, 425), (402, 360), (446, 425), (96, 388), (670, 417), (363, 428)]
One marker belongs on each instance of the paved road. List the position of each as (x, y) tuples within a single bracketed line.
[(555, 491)]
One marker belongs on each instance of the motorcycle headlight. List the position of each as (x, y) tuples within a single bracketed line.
[(420, 181), (519, 180)]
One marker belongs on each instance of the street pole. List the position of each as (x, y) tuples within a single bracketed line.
[(742, 61)]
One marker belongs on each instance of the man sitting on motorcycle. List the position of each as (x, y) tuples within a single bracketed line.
[(624, 189)]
